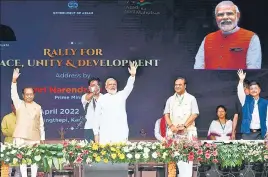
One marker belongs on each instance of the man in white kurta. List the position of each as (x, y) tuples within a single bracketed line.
[(112, 125), (180, 112)]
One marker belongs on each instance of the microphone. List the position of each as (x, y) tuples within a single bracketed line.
[(82, 122)]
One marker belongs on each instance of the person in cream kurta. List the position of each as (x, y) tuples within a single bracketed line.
[(111, 125), (29, 128), (180, 113)]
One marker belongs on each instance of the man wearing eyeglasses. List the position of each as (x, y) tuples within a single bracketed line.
[(231, 47), (29, 128)]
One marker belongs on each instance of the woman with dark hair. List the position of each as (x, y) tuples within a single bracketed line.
[(220, 129)]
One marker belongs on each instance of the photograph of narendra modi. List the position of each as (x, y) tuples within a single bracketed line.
[(231, 47)]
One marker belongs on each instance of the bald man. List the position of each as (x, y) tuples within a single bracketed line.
[(231, 47), (111, 117)]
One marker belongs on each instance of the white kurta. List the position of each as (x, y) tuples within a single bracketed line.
[(111, 116), (180, 108)]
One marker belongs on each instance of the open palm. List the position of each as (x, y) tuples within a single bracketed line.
[(16, 73), (132, 68), (241, 74)]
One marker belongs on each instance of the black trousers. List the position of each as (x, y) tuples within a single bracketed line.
[(252, 136), (89, 135), (238, 136)]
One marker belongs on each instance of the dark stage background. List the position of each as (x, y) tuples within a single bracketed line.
[(169, 31)]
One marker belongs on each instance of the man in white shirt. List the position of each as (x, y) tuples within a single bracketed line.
[(180, 113), (255, 112), (89, 102), (111, 125)]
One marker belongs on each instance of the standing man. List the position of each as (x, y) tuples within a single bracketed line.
[(8, 126), (112, 125), (231, 47), (180, 113), (237, 120), (29, 128), (254, 108), (89, 102)]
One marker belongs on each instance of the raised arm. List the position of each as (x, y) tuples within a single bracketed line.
[(130, 82), (86, 98), (14, 91), (129, 87), (240, 88)]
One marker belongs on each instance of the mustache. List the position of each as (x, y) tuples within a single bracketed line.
[(226, 22)]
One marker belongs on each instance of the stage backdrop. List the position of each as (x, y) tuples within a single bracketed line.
[(60, 45)]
